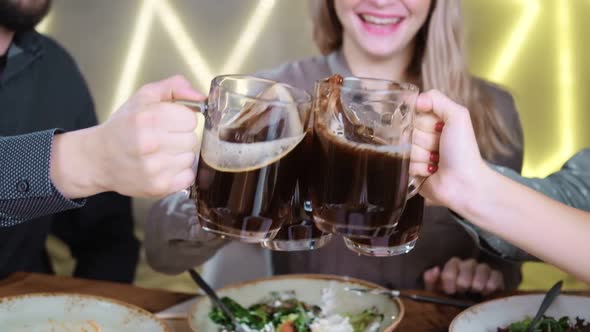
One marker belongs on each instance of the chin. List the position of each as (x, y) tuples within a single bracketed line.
[(380, 52), (380, 46)]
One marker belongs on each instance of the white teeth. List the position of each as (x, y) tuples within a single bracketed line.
[(379, 20)]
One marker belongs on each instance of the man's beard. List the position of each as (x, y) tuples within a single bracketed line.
[(17, 17)]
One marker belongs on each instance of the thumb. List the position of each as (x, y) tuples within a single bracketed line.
[(431, 278), (172, 88)]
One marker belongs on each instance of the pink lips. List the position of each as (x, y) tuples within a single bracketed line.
[(380, 29)]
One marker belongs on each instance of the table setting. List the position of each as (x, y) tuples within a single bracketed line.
[(176, 311)]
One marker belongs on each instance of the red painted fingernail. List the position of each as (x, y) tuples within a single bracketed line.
[(439, 126), (434, 156), (432, 168)]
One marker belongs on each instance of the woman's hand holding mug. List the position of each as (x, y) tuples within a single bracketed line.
[(459, 167)]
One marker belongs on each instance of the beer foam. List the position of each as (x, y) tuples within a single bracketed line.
[(242, 157)]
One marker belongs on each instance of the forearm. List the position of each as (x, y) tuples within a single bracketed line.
[(495, 246), (543, 227), (570, 186)]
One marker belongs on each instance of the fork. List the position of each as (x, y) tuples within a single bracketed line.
[(415, 297)]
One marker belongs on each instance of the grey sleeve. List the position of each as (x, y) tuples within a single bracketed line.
[(570, 185), (174, 240), (26, 190)]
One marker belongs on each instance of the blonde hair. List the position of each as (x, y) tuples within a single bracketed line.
[(440, 63)]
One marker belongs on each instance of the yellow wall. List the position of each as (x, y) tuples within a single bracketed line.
[(535, 48)]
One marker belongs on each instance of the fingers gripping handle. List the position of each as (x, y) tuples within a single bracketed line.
[(414, 185), (200, 108)]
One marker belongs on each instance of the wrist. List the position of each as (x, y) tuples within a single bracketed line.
[(480, 193), (96, 158), (75, 167), (472, 188)]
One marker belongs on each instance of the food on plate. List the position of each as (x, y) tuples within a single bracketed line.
[(550, 324), (283, 312)]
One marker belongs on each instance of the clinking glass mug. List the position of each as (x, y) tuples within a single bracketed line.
[(362, 144), (300, 232), (250, 156)]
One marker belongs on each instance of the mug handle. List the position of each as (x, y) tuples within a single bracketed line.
[(414, 185), (200, 108)]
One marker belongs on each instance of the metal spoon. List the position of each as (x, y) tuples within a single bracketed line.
[(547, 300), (215, 299)]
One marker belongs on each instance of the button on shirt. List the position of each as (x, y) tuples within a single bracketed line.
[(22, 186)]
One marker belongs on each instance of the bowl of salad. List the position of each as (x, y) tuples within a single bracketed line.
[(299, 303), (568, 313)]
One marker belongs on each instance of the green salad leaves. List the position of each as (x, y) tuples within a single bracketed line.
[(361, 321), (283, 312), (549, 324)]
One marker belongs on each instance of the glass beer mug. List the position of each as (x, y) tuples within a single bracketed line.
[(394, 241), (250, 156), (362, 144), (301, 232)]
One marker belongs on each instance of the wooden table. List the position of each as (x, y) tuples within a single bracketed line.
[(420, 317)]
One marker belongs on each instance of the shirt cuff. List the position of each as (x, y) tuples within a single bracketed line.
[(26, 188), (491, 244)]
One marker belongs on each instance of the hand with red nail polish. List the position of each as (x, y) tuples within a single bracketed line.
[(434, 156), (425, 141), (445, 149), (432, 168), (439, 126), (495, 202)]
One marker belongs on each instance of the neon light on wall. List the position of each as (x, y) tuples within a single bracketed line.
[(134, 57), (188, 49), (565, 108), (44, 25), (248, 37), (514, 45)]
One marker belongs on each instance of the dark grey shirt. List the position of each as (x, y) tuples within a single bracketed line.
[(3, 58), (26, 190), (440, 239), (42, 88)]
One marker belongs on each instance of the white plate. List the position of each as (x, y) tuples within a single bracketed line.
[(73, 313), (308, 289), (488, 316)]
